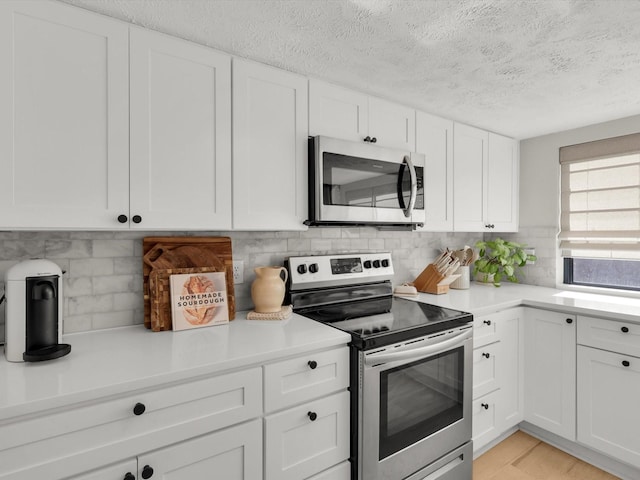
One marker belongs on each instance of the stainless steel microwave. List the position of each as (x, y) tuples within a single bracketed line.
[(353, 183)]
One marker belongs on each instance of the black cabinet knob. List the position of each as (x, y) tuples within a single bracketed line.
[(569, 320), (485, 406), (486, 355), (625, 363), (625, 329), (139, 408), (302, 269), (147, 472), (312, 416), (123, 218), (136, 219), (487, 322), (367, 138), (129, 476), (374, 140), (312, 364)]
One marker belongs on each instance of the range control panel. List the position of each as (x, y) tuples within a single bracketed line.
[(345, 269)]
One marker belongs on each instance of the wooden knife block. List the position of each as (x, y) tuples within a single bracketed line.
[(428, 281)]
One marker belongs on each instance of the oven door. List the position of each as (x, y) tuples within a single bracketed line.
[(415, 404), (363, 183)]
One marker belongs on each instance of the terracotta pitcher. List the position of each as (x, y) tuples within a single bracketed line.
[(267, 290)]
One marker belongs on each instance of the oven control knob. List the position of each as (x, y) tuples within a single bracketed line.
[(302, 269), (385, 263), (367, 264), (313, 268), (376, 264)]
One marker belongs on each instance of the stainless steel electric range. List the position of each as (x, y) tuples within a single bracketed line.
[(411, 367)]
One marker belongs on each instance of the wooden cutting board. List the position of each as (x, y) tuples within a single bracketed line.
[(162, 255)]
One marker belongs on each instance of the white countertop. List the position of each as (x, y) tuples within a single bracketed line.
[(484, 299), (118, 360)]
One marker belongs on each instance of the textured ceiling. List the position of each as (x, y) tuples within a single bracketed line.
[(522, 68)]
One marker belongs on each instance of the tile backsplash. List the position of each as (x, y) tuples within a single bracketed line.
[(103, 279)]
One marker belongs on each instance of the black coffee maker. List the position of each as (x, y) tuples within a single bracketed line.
[(33, 314)]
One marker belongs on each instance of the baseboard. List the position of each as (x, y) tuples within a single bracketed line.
[(597, 459)]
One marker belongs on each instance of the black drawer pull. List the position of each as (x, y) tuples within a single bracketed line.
[(139, 409), (569, 320), (487, 322), (625, 329), (485, 406), (312, 416), (147, 472), (625, 363), (486, 355), (123, 218), (312, 364), (129, 476), (136, 219)]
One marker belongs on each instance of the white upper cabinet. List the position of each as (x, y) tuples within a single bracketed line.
[(64, 117), (342, 113), (485, 181), (180, 134), (270, 137), (502, 180), (434, 138)]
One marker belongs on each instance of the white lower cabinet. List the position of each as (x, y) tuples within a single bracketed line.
[(608, 389), (550, 371), (304, 440), (209, 427), (498, 401)]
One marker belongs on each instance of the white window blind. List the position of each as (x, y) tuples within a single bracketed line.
[(600, 203)]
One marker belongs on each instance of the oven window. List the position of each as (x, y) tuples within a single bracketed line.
[(420, 398)]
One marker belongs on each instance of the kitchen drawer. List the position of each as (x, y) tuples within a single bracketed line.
[(485, 329), (305, 377), (297, 447), (485, 419), (339, 472), (485, 377), (609, 335), (58, 436)]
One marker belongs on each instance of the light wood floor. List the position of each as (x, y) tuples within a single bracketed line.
[(523, 457)]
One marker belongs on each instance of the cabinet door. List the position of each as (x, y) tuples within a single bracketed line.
[(434, 138), (470, 150), (270, 137), (510, 368), (337, 112), (484, 414), (392, 125), (234, 453), (180, 134), (305, 440), (118, 471), (64, 117), (608, 393), (550, 371), (485, 369), (502, 177)]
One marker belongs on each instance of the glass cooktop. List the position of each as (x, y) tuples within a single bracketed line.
[(382, 321)]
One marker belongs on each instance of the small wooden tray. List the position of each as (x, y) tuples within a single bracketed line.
[(160, 295)]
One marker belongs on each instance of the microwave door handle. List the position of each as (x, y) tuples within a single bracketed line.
[(420, 352), (414, 187)]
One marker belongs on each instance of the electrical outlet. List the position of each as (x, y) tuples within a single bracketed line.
[(238, 272), (530, 251)]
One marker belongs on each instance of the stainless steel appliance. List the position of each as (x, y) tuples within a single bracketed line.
[(33, 315), (411, 368), (361, 183)]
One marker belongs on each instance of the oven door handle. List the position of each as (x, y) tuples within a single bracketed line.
[(421, 352)]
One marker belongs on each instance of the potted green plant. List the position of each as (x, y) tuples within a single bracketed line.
[(499, 259)]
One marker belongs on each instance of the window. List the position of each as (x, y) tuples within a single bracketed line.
[(600, 213)]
